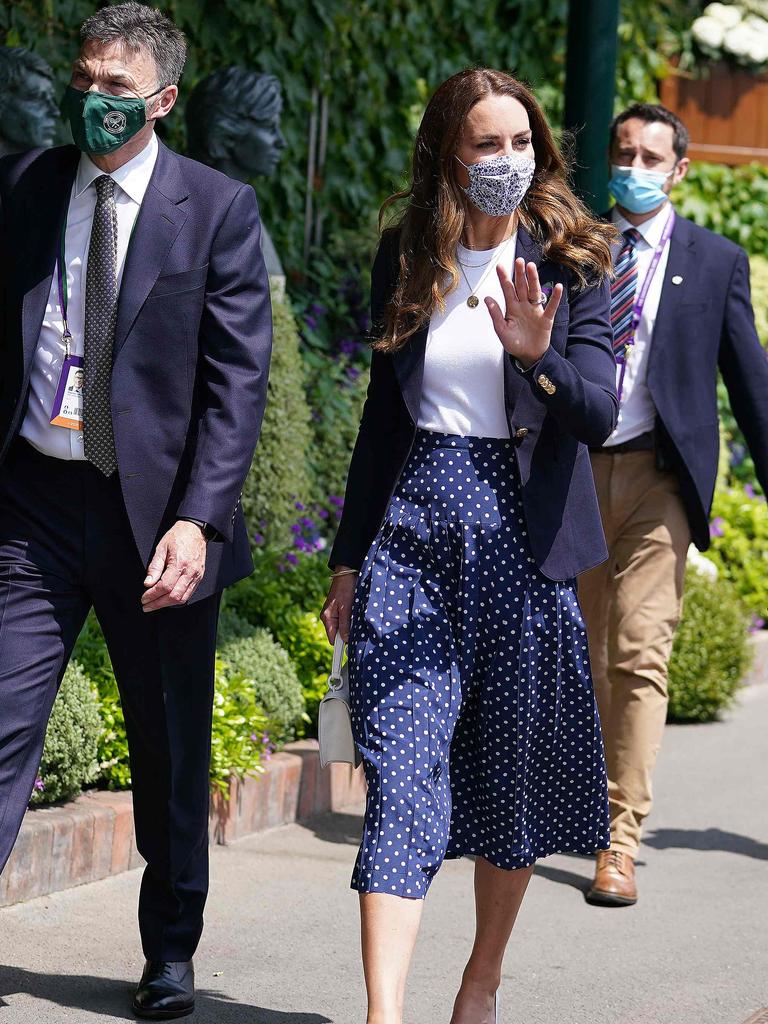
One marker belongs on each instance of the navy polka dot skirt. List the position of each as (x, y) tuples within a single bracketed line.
[(472, 701)]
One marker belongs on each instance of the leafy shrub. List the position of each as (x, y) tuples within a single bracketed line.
[(710, 653), (253, 653), (239, 742), (279, 474), (733, 201), (739, 548), (71, 742), (91, 652), (289, 604)]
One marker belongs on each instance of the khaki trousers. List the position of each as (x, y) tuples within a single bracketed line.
[(632, 605)]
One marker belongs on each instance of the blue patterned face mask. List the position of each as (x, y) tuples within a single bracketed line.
[(497, 185), (637, 189)]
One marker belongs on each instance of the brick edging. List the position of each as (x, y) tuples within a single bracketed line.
[(93, 837)]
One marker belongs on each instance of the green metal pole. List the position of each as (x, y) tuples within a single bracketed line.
[(590, 78)]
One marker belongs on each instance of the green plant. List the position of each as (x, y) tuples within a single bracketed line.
[(733, 201), (71, 742), (289, 605), (739, 533), (279, 475), (710, 653), (239, 742), (253, 653), (308, 646), (91, 652)]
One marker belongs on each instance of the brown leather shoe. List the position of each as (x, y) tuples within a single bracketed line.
[(614, 883)]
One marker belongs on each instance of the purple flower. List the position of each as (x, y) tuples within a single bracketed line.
[(295, 528), (39, 785), (317, 309), (756, 624), (293, 559), (749, 490), (347, 347), (280, 567), (258, 538), (310, 322), (306, 521), (335, 500), (323, 513), (352, 372), (253, 737), (299, 506), (716, 527)]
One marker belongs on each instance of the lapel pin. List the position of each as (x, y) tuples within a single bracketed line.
[(677, 279)]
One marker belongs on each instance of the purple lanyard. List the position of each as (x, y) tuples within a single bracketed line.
[(642, 295)]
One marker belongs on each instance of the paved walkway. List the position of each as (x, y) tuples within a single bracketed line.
[(280, 945)]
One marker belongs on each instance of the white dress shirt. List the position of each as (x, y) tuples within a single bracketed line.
[(132, 180), (637, 413), (463, 386)]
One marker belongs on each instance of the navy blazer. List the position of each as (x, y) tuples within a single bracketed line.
[(705, 321), (552, 459), (192, 343)]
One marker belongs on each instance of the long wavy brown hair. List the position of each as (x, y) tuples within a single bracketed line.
[(432, 223)]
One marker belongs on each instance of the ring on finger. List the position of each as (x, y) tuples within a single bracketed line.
[(541, 301)]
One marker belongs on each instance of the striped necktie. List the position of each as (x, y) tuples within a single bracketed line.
[(623, 291)]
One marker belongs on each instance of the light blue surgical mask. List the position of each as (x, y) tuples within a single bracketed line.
[(637, 189)]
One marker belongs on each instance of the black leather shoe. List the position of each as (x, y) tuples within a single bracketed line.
[(166, 990)]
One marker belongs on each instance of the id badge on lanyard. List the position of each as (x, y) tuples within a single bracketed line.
[(67, 409)]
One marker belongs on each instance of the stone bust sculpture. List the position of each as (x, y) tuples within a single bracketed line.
[(29, 112), (233, 124)]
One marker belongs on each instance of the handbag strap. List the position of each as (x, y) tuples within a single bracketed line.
[(338, 657)]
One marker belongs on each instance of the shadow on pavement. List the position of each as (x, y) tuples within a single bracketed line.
[(337, 828), (562, 877), (109, 997), (707, 839)]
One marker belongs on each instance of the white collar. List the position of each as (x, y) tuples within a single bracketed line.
[(650, 230), (133, 177)]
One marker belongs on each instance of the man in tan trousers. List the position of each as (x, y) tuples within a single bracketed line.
[(680, 309)]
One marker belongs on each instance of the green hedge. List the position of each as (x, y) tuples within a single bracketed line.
[(733, 201), (739, 548), (253, 653), (71, 744), (279, 473), (710, 654)]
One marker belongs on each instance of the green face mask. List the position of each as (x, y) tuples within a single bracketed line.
[(101, 123)]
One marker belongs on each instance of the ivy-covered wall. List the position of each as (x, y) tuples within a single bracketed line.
[(376, 61)]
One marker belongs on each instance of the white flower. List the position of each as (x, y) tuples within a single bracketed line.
[(708, 32), (700, 564), (726, 15), (758, 25), (740, 40)]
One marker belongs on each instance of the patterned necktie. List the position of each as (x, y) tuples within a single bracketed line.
[(623, 290), (100, 317)]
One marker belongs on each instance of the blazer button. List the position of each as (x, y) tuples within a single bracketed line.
[(546, 384), (521, 432)]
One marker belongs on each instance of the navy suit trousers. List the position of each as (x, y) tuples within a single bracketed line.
[(66, 546)]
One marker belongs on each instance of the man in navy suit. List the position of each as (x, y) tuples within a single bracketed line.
[(680, 310), (139, 272)]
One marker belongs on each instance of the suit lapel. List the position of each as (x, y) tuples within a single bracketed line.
[(44, 229), (159, 221), (680, 267), (409, 360)]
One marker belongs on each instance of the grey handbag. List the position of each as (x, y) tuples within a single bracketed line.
[(334, 721)]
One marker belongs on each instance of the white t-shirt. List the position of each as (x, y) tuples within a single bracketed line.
[(637, 413), (463, 386)]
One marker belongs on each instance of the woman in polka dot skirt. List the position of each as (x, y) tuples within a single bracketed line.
[(470, 510)]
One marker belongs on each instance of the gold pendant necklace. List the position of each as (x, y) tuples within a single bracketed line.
[(473, 301)]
